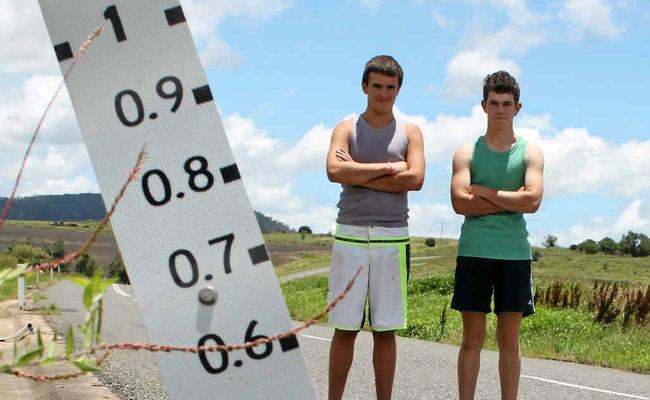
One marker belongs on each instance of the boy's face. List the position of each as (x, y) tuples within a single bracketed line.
[(500, 107), (382, 91)]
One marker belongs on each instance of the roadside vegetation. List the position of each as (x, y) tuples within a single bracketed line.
[(591, 307), (580, 316)]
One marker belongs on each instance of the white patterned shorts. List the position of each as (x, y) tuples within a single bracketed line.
[(384, 255)]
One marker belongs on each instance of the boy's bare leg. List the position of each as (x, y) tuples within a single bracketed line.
[(341, 355), (469, 355), (384, 357), (508, 324)]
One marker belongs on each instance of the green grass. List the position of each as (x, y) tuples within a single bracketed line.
[(297, 239), (9, 290), (84, 226), (307, 263), (51, 309), (569, 335), (554, 264)]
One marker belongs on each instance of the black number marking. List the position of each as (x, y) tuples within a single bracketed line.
[(229, 238), (111, 13), (176, 94), (174, 271), (147, 191), (203, 170), (204, 359), (120, 110), (250, 338)]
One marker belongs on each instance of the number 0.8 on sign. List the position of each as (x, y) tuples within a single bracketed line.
[(186, 231)]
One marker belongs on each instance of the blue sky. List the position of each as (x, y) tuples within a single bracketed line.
[(283, 73)]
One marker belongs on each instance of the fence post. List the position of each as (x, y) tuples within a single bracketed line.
[(21, 289)]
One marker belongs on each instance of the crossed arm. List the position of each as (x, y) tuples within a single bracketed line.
[(397, 176), (476, 200)]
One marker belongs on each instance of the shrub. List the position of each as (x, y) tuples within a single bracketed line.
[(116, 269), (26, 253), (608, 246), (430, 242), (304, 229), (550, 241), (604, 302), (86, 265), (588, 247), (537, 255)]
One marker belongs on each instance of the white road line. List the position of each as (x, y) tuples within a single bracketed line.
[(632, 396), (316, 337), (120, 291), (585, 387)]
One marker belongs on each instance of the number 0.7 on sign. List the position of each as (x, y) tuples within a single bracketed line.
[(188, 236)]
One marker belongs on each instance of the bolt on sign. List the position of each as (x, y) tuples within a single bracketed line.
[(188, 235)]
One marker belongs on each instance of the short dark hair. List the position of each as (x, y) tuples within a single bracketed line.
[(500, 82), (385, 65)]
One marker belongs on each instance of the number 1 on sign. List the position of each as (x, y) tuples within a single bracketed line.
[(111, 13)]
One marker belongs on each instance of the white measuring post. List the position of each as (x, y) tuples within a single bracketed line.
[(21, 288), (187, 233)]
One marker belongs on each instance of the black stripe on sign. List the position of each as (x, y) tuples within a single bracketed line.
[(258, 254), (174, 15), (63, 51), (202, 94), (230, 173), (289, 343)]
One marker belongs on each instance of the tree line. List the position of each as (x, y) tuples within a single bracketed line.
[(89, 206), (632, 243)]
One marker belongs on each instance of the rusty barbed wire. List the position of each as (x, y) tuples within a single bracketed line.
[(233, 347), (82, 49), (133, 175), (107, 347), (54, 377)]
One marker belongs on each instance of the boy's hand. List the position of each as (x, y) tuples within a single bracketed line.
[(343, 155)]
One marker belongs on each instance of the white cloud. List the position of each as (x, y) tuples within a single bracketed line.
[(25, 43), (310, 152), (205, 16), (579, 162), (634, 217), (426, 220), (440, 19), (467, 69), (217, 54), (590, 18)]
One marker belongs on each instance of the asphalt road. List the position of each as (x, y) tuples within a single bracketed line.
[(425, 370)]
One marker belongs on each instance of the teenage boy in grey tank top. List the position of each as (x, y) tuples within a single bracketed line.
[(376, 159)]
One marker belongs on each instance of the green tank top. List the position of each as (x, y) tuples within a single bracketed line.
[(503, 235)]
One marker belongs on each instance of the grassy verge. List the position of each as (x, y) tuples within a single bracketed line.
[(9, 290), (84, 226), (307, 263), (298, 239), (569, 335)]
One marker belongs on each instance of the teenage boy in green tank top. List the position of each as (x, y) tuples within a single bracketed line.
[(376, 159), (494, 182)]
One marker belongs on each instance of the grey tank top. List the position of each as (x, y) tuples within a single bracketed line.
[(365, 207)]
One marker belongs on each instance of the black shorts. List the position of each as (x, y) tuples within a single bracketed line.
[(477, 278)]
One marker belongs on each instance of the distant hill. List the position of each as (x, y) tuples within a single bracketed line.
[(88, 206)]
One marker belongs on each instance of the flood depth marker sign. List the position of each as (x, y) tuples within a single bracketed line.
[(190, 240)]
